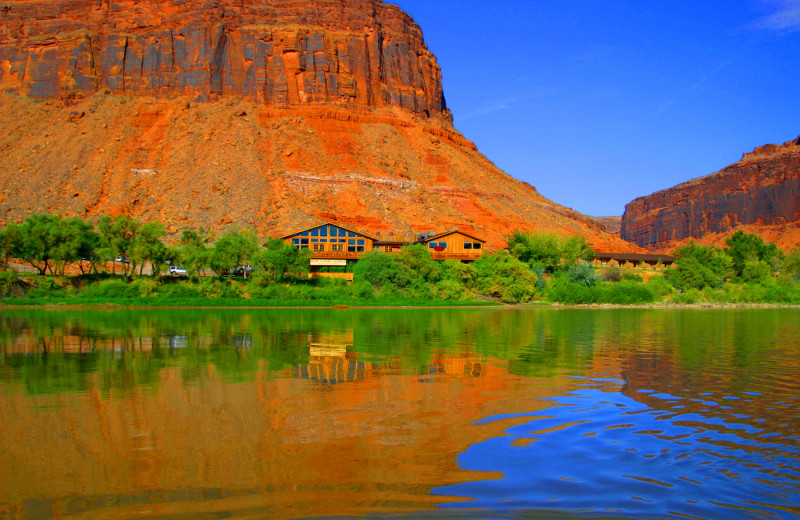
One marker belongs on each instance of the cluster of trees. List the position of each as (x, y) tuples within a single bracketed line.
[(541, 266), (413, 274), (50, 243), (745, 259)]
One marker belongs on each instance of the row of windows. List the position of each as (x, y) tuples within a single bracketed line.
[(349, 241), (334, 247), (443, 245), (328, 231)]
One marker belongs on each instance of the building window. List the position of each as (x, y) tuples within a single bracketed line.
[(476, 245), (319, 247), (388, 249), (434, 245), (336, 247), (467, 245)]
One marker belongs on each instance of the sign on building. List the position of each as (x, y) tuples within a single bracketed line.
[(329, 261)]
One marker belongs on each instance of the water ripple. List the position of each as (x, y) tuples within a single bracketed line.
[(604, 451)]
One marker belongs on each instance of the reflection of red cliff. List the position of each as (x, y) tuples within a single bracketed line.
[(759, 194), (282, 443), (269, 114)]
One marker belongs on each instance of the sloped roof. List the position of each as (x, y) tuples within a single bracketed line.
[(440, 235), (327, 224)]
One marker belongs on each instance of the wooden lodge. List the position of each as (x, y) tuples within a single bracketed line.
[(333, 245), (454, 245)]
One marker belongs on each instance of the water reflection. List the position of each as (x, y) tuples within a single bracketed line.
[(287, 413), (703, 422)]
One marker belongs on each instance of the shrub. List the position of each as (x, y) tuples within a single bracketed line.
[(112, 288), (659, 286), (573, 294), (630, 276), (9, 284), (686, 297), (582, 274), (612, 274), (503, 276), (450, 290), (627, 293), (381, 269)]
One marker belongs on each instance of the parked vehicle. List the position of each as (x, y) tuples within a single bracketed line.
[(242, 269), (176, 270), (122, 258)]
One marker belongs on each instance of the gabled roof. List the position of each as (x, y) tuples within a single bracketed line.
[(440, 235), (327, 224)]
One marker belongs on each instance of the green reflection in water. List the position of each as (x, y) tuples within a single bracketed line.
[(52, 351)]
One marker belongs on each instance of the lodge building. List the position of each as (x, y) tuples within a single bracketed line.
[(333, 245)]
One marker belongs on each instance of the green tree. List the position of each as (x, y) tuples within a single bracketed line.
[(536, 249), (279, 258), (417, 259), (194, 251), (744, 248), (505, 277), (233, 249), (147, 246), (575, 249), (117, 235), (382, 269), (75, 239), (39, 237), (791, 263), (698, 266), (549, 250), (9, 236)]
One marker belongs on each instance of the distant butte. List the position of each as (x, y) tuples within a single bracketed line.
[(758, 194)]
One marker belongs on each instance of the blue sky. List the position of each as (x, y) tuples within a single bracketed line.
[(597, 102)]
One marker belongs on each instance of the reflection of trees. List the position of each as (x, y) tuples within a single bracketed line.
[(130, 347)]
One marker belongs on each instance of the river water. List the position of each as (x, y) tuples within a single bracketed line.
[(400, 413)]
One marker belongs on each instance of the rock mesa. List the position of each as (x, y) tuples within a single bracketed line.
[(272, 114), (760, 193)]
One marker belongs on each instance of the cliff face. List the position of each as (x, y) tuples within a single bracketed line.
[(272, 114), (760, 193), (356, 52)]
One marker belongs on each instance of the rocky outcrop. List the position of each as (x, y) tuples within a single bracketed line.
[(270, 114), (360, 53), (761, 190)]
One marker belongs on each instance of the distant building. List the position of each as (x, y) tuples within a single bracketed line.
[(332, 246), (331, 241), (454, 245), (632, 260)]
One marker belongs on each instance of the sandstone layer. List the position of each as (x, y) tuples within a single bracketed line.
[(758, 194), (272, 115)]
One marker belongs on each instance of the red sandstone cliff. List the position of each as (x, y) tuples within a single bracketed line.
[(758, 194), (274, 114)]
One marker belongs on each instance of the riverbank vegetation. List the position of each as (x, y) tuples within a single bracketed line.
[(122, 261)]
